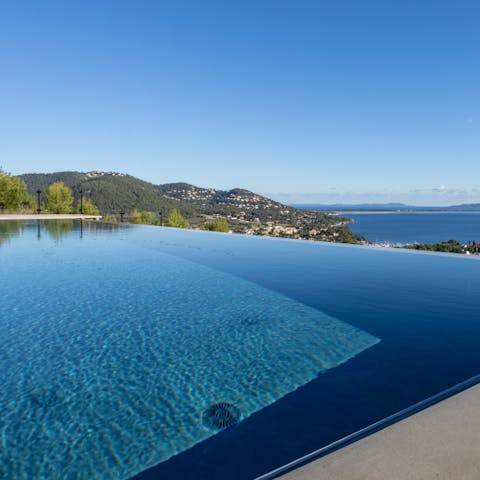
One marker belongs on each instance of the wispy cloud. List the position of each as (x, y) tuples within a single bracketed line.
[(445, 190)]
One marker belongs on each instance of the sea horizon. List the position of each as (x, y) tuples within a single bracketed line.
[(388, 207)]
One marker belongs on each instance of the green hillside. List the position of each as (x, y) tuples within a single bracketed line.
[(110, 192), (238, 202), (245, 211)]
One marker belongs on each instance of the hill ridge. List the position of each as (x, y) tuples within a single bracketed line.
[(246, 211)]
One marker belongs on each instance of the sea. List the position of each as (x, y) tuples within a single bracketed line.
[(414, 226)]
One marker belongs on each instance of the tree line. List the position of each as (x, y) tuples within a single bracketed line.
[(59, 199), (452, 246), (174, 219), (14, 197)]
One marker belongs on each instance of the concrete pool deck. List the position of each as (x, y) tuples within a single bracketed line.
[(41, 216), (441, 443)]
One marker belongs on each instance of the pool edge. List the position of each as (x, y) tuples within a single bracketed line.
[(371, 429)]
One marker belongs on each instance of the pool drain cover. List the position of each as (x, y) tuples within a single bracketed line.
[(221, 415)]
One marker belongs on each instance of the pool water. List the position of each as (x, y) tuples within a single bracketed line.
[(116, 342)]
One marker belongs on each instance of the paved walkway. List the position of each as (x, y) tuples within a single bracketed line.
[(439, 443), (15, 216)]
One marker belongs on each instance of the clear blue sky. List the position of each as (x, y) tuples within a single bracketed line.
[(319, 100)]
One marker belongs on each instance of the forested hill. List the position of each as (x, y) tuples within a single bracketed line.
[(245, 211), (225, 202), (110, 192), (114, 192)]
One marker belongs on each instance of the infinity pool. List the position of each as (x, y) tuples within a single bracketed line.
[(162, 353)]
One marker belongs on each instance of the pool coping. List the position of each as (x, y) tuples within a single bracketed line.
[(371, 429), (48, 216)]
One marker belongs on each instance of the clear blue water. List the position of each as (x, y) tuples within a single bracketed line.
[(114, 341), (405, 228)]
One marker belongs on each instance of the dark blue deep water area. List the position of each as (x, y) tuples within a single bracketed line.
[(118, 342), (416, 227)]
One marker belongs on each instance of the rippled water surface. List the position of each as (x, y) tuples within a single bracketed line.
[(115, 340)]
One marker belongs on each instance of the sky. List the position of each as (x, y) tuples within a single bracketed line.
[(308, 101)]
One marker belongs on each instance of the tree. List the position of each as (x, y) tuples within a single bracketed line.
[(110, 219), (88, 207), (59, 198), (175, 219), (219, 225), (13, 193), (144, 217)]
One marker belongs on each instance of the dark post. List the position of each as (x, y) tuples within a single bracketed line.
[(161, 217), (81, 202), (38, 201), (121, 216)]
